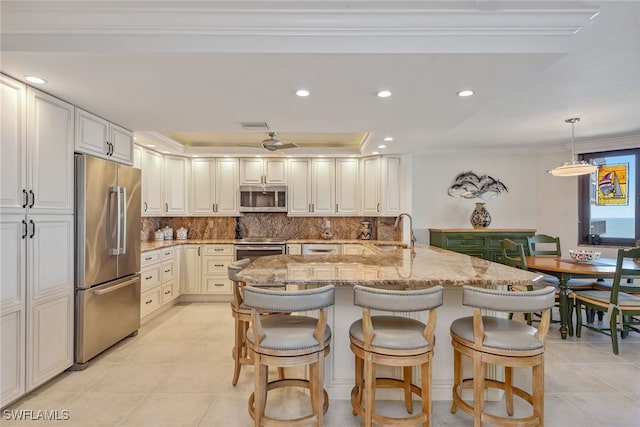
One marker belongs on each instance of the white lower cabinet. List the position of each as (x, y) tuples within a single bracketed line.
[(36, 297), (159, 270), (205, 269)]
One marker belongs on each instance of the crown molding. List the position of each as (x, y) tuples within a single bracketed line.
[(292, 26)]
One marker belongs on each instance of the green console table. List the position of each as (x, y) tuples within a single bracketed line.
[(483, 243)]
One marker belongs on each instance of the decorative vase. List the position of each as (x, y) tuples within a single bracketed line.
[(480, 217)]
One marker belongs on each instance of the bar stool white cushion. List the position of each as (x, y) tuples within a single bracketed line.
[(289, 333), (393, 333)]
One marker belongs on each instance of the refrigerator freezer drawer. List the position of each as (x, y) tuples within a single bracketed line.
[(106, 314)]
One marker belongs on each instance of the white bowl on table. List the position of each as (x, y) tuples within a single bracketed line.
[(584, 255)]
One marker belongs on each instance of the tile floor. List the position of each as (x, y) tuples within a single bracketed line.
[(177, 372)]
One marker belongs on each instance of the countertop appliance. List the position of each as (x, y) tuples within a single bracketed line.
[(108, 199), (263, 198), (254, 247)]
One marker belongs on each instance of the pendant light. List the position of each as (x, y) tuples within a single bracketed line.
[(575, 167)]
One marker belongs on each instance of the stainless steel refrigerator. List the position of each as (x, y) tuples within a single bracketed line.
[(108, 198)]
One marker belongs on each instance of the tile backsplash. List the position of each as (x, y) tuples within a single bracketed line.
[(272, 225)]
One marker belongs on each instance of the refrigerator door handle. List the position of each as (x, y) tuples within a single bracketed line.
[(123, 249), (116, 287), (114, 250)]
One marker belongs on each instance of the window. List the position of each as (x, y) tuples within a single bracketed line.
[(609, 203)]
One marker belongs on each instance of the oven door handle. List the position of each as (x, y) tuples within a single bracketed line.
[(259, 248)]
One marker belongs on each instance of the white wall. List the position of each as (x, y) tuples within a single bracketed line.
[(535, 199)]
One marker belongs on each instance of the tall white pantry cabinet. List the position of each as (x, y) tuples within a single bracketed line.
[(36, 238)]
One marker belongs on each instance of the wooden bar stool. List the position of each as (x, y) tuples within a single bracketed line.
[(505, 342), (393, 341), (242, 317), (287, 341)]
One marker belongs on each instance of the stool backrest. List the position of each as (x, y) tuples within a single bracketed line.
[(236, 267), (288, 301), (507, 301), (397, 300)]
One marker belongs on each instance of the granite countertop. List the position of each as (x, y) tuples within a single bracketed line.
[(159, 244), (394, 269)]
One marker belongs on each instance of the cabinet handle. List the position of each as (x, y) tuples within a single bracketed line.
[(168, 292), (336, 208), (26, 198), (145, 206), (33, 198), (148, 302), (148, 277), (166, 271), (309, 207), (378, 207), (218, 249), (313, 207), (216, 207), (218, 284), (166, 207), (33, 228), (24, 223), (213, 207), (219, 265), (198, 250), (148, 258)]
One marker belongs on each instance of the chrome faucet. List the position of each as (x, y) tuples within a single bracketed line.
[(413, 237)]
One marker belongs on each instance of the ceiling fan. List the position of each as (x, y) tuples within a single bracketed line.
[(273, 144)]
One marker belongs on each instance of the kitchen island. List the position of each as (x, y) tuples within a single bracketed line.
[(393, 269)]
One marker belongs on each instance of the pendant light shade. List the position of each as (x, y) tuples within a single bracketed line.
[(575, 167)]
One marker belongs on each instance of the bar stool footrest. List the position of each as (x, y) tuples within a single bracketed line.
[(301, 421), (384, 382), (490, 418)]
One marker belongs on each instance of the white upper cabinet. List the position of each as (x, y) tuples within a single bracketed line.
[(176, 185), (256, 171), (214, 186), (347, 190), (37, 151), (97, 137), (311, 186), (14, 196), (152, 183), (381, 186)]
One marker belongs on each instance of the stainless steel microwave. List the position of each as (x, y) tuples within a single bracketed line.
[(263, 198)]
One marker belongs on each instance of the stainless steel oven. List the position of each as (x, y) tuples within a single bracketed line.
[(255, 247)]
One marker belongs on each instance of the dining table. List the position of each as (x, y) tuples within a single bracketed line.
[(566, 269)]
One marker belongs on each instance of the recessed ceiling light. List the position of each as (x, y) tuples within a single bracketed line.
[(384, 93), (382, 146), (35, 79), (194, 155), (376, 152), (302, 92), (320, 155), (258, 155), (465, 92), (388, 138), (150, 145), (166, 152)]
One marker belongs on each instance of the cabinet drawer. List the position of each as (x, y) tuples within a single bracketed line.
[(168, 292), (461, 241), (167, 254), (216, 265), (216, 285), (218, 250), (166, 271), (148, 258), (150, 277), (150, 300)]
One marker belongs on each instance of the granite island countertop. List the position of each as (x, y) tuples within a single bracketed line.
[(396, 269)]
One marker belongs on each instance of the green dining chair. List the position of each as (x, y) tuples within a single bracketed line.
[(620, 305), (513, 255)]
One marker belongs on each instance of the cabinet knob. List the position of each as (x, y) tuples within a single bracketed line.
[(148, 302)]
